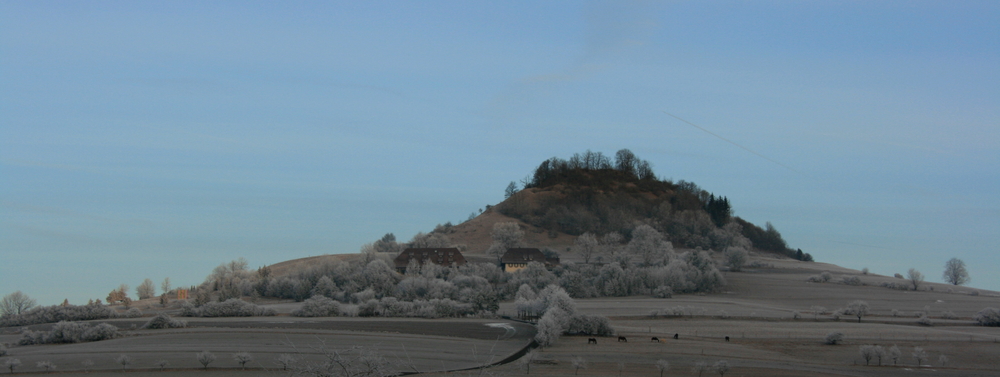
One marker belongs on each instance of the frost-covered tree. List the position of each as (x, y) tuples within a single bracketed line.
[(15, 304), (578, 363), (124, 360), (506, 235), (699, 367), (47, 365), (243, 358), (285, 360), (894, 353), (915, 277), (858, 309), (146, 289), (867, 352), (552, 324), (587, 246), (12, 364), (527, 359), (736, 257), (721, 367), (955, 272), (880, 354), (649, 245), (662, 366), (165, 286), (920, 355), (205, 358), (162, 363)]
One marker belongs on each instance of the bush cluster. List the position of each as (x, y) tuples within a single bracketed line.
[(70, 332), (56, 313), (164, 321), (233, 307), (988, 317)]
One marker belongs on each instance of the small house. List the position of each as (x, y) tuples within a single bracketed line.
[(518, 258)]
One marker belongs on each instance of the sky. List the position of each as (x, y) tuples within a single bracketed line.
[(148, 139)]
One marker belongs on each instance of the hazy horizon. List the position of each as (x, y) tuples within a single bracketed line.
[(151, 140)]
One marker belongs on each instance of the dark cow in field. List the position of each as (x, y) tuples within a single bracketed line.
[(622, 339), (655, 339), (677, 336), (727, 338), (591, 340)]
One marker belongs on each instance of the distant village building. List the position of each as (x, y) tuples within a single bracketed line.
[(518, 258), (447, 257)]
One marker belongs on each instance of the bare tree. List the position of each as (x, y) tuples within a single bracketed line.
[(15, 304), (162, 364), (578, 363), (205, 358), (510, 190), (243, 358), (123, 359), (165, 285), (858, 309), (662, 366), (146, 289), (955, 272), (915, 278), (721, 367)]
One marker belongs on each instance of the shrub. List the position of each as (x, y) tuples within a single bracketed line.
[(815, 279), (974, 292), (897, 275), (850, 280), (163, 321), (132, 313), (826, 276), (318, 306), (947, 314), (924, 320), (663, 291), (834, 337), (988, 317)]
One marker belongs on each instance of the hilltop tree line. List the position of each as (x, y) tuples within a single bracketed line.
[(591, 193)]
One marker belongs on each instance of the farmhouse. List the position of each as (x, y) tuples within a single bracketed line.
[(441, 256), (518, 258)]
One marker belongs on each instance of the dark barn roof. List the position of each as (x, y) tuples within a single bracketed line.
[(444, 256), (526, 255)]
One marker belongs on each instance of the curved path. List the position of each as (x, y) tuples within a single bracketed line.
[(413, 345)]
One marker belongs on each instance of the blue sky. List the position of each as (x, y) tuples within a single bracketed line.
[(150, 139)]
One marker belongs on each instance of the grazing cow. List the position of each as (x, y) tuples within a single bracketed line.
[(591, 340), (622, 339), (727, 338), (677, 336), (655, 339)]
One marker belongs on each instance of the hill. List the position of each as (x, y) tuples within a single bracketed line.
[(589, 194)]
